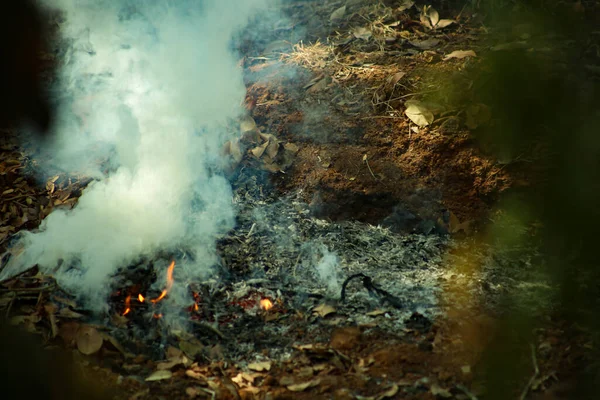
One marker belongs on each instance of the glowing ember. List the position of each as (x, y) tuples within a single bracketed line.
[(157, 316), (266, 304), (141, 298), (169, 283), (127, 305)]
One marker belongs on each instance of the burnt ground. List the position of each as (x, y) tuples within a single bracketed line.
[(330, 169)]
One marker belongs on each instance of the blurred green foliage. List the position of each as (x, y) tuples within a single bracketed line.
[(543, 90)]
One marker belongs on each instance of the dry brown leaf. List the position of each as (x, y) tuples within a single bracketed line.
[(391, 392), (115, 343), (317, 87), (260, 366), (418, 113), (425, 44), (436, 390), (26, 321), (425, 21), (338, 14), (406, 4), (442, 23), (273, 148), (460, 54), (192, 348), (362, 33), (159, 375), (68, 313), (324, 310), (376, 313), (89, 340), (239, 380), (193, 392), (173, 352), (434, 16), (181, 360), (259, 150), (196, 375), (394, 79), (301, 387), (50, 311), (291, 147), (247, 124)]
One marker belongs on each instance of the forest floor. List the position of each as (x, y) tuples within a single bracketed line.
[(365, 126)]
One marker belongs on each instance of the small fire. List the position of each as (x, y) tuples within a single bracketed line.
[(266, 304), (169, 283), (127, 305), (142, 299)]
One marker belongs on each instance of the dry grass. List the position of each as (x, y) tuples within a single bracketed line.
[(313, 55)]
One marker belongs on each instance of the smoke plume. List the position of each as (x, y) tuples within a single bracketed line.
[(153, 86)]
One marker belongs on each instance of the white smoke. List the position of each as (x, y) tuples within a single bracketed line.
[(155, 84)]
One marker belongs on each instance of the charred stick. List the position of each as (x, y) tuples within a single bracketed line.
[(373, 289)]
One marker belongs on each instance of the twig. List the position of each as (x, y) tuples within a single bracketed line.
[(466, 391), (209, 328), (536, 372), (366, 160)]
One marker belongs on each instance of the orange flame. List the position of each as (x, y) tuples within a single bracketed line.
[(157, 316), (169, 283), (141, 298), (266, 304), (127, 305)]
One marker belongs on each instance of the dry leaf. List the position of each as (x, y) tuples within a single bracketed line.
[(418, 113), (192, 348), (89, 340), (442, 23), (406, 4), (362, 33), (259, 150), (376, 313), (391, 392), (50, 311), (434, 16), (324, 310), (318, 86), (260, 366), (425, 21), (247, 124), (394, 79), (338, 14), (273, 148), (291, 147), (436, 390), (181, 360), (239, 380), (68, 313), (300, 387), (460, 54), (196, 375), (425, 44), (159, 375), (277, 46)]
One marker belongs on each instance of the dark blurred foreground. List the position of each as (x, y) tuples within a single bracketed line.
[(544, 91), (23, 37)]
